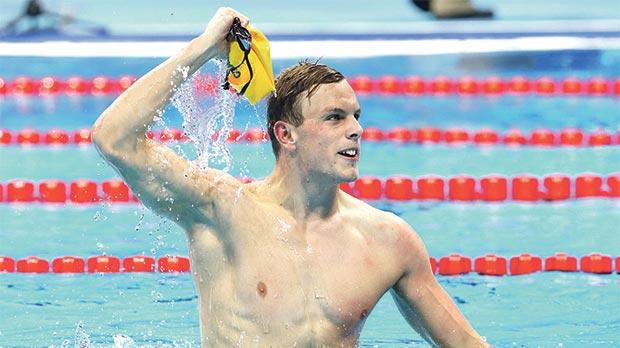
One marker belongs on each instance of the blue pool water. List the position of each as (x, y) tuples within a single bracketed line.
[(544, 309)]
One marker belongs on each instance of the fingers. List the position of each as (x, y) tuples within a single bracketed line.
[(229, 14)]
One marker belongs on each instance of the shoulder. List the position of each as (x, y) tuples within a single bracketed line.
[(384, 225)]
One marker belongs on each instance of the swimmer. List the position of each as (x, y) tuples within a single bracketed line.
[(290, 260)]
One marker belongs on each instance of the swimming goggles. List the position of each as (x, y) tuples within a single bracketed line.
[(243, 37)]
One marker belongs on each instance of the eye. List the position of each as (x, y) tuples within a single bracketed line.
[(357, 116), (334, 117)]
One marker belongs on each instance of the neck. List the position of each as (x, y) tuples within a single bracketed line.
[(304, 194)]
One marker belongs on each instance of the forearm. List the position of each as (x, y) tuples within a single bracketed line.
[(124, 123)]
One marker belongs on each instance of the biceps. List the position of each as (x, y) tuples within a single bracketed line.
[(431, 311)]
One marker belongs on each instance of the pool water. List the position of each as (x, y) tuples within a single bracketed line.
[(543, 309)]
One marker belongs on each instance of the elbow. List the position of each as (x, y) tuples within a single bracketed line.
[(107, 144), (102, 142)]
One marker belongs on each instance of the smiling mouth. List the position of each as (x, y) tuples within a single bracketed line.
[(349, 153)]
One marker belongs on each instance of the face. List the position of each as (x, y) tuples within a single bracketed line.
[(328, 141)]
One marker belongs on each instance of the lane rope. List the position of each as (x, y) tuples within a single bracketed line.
[(568, 137), (384, 85), (451, 265), (459, 188)]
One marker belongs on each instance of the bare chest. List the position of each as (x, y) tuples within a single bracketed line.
[(329, 275)]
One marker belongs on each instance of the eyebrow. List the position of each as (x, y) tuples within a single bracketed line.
[(341, 111)]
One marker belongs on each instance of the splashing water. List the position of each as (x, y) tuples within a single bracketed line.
[(123, 341), (208, 127), (82, 340)]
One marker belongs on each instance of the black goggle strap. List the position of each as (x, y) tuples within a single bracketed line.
[(244, 40)]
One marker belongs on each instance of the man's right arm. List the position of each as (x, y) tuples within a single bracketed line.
[(163, 180)]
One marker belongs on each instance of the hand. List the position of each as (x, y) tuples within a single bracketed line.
[(218, 28)]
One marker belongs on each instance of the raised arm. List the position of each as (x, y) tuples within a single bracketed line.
[(424, 303), (163, 180)]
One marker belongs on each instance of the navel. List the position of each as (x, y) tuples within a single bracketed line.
[(261, 288)]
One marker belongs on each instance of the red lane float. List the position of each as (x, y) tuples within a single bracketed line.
[(545, 85), (490, 264), (493, 86), (83, 191), (600, 138), (519, 85), (138, 264), (467, 86), (389, 85), (28, 137), (588, 185), (613, 182), (423, 135), (430, 188), (596, 263), (82, 136), (52, 191), (454, 264), (20, 191), (450, 265), (50, 85), (557, 186), (571, 85), (456, 135), (486, 137), (76, 85), (571, 137), (462, 188), (104, 264), (561, 262), (383, 85), (514, 137), (494, 188), (427, 135), (542, 137), (68, 264), (399, 188), (33, 264), (400, 135), (525, 188), (368, 187), (525, 264), (598, 86), (372, 134), (362, 84), (115, 191), (173, 264), (56, 137), (7, 264), (491, 188), (5, 137), (414, 85), (441, 85)]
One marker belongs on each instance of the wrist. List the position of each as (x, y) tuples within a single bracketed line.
[(199, 51)]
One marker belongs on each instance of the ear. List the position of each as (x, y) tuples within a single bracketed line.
[(285, 134)]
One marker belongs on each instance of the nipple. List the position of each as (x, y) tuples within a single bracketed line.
[(261, 288), (363, 314)]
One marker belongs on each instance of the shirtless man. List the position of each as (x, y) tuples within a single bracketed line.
[(290, 260)]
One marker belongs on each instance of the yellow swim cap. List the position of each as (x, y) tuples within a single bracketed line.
[(249, 63)]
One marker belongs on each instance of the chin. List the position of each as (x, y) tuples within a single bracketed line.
[(349, 177)]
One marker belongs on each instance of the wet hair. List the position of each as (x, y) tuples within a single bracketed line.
[(283, 104)]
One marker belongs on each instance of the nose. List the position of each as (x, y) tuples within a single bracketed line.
[(355, 130)]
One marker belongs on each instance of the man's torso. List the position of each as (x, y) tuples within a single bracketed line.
[(265, 278)]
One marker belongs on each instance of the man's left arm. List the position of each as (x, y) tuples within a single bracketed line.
[(423, 302)]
